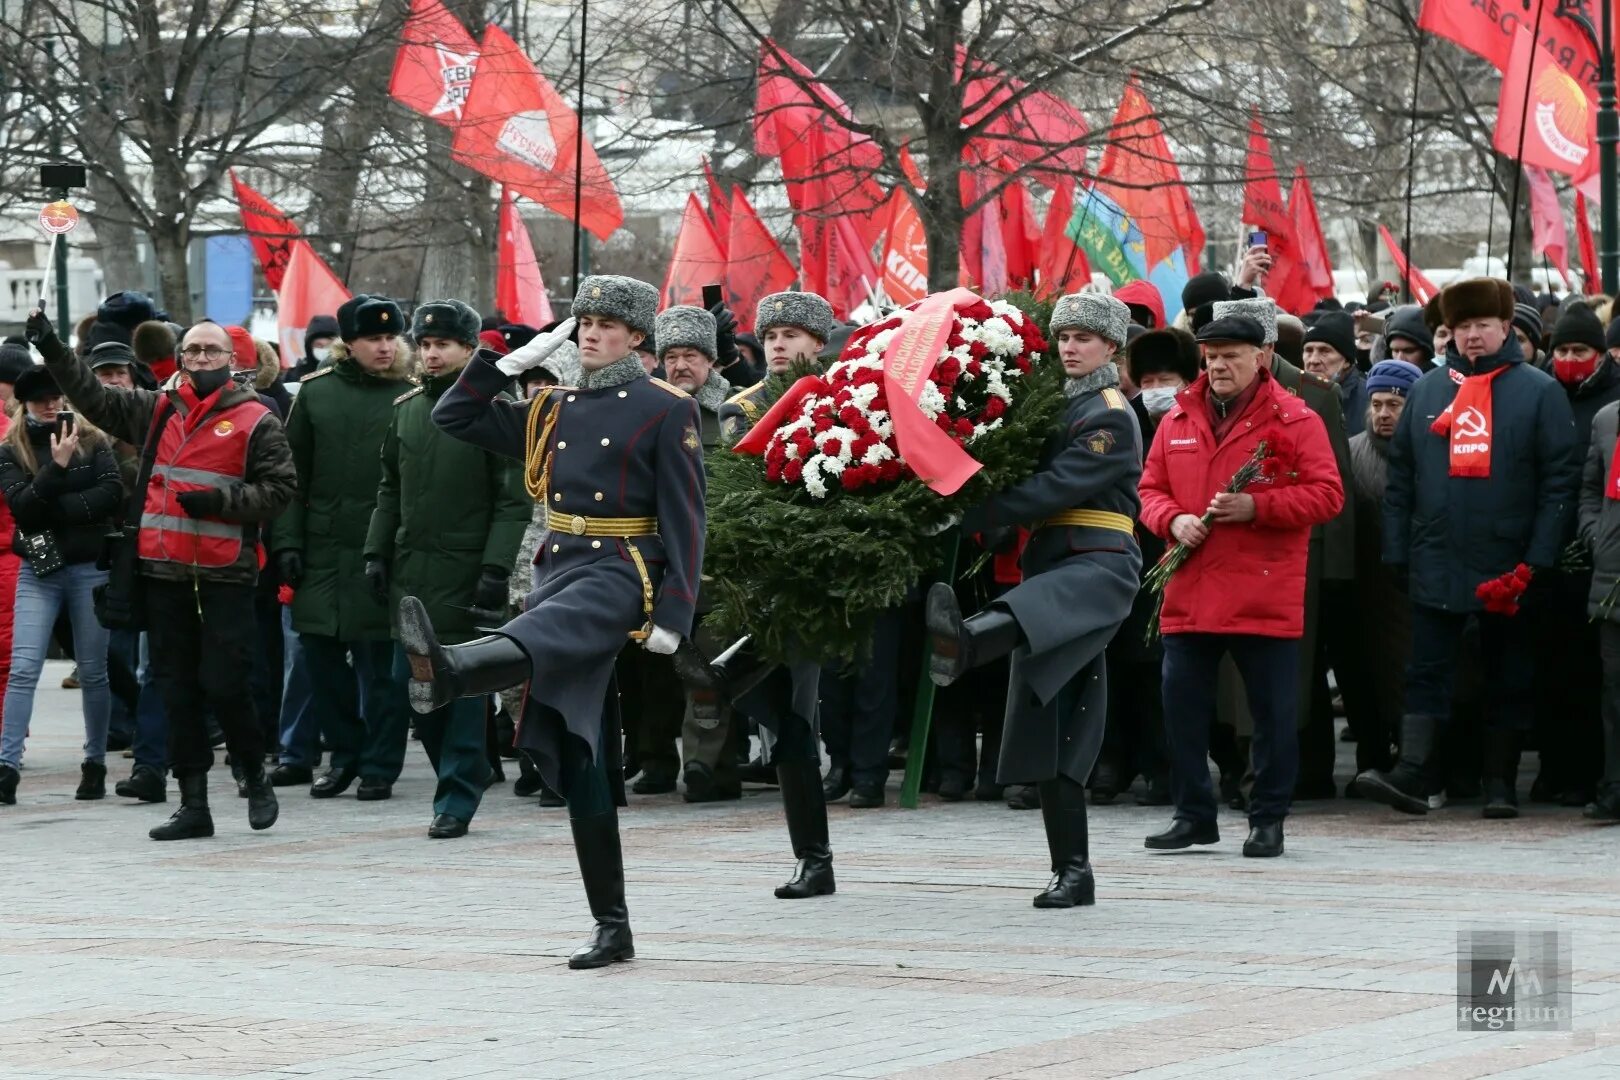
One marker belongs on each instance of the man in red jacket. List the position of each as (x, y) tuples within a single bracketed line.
[(1242, 591)]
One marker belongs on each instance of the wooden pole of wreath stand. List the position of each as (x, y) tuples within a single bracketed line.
[(922, 712)]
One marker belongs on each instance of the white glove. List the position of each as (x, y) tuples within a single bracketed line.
[(949, 523), (661, 641), (531, 355)]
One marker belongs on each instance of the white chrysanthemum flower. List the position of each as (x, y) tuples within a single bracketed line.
[(1010, 312), (961, 404), (862, 396), (931, 401), (880, 340), (876, 454)]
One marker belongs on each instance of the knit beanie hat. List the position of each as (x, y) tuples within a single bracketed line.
[(1392, 377), (1335, 329), (1528, 319), (1578, 325)]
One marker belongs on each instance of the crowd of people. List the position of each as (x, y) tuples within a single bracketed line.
[(312, 566)]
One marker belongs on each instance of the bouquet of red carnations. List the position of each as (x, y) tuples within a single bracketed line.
[(1501, 594)]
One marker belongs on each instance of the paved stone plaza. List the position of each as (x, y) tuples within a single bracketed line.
[(343, 943)]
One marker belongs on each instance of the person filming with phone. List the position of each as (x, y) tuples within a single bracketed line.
[(214, 465), (60, 480), (1254, 266)]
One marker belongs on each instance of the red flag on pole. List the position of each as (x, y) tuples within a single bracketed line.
[(520, 291), (1591, 274), (1313, 248), (308, 288), (1547, 234), (1557, 125), (698, 258), (1139, 172), (1487, 30), (1263, 206), (433, 69), (271, 232), (515, 129), (905, 252), (1038, 129), (1064, 267), (1422, 288), (719, 204), (756, 265)]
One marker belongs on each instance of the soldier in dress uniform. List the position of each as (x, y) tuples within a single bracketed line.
[(618, 463), (781, 699), (1081, 572)]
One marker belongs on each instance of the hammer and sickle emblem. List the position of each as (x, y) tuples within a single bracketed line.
[(1471, 424)]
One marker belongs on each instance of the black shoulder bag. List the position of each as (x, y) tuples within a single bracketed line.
[(120, 604)]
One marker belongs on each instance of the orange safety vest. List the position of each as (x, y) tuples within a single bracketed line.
[(213, 454)]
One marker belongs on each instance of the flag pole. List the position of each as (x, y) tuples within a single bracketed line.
[(1518, 161), (1411, 166), (579, 136)]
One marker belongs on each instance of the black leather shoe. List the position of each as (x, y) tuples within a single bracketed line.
[(1406, 787), (290, 775), (989, 791), (447, 827), (550, 798), (1184, 833), (1073, 886), (657, 778), (952, 787), (92, 781), (867, 796), (145, 783), (192, 821), (332, 783), (374, 790), (529, 781), (8, 785), (263, 808), (755, 771), (835, 785), (1023, 797), (1605, 808), (609, 943), (701, 786), (1105, 783), (1265, 841)]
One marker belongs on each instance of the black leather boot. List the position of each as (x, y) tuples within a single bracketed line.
[(601, 865), (805, 807), (263, 809), (145, 783), (1406, 786), (960, 645), (192, 821), (441, 674), (1063, 810), (1501, 773), (8, 785), (736, 670), (92, 781)]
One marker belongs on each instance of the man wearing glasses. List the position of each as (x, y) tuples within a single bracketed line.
[(215, 465)]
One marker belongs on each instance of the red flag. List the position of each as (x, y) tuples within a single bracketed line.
[(1488, 29), (515, 129), (756, 265), (1020, 236), (1547, 234), (1591, 273), (698, 259), (1064, 268), (1263, 206), (852, 273), (1557, 124), (905, 252), (1422, 288), (1037, 129), (433, 69), (271, 232), (1139, 172), (520, 291), (308, 288), (1313, 248), (719, 205)]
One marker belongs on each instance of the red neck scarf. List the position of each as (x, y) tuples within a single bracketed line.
[(1467, 421)]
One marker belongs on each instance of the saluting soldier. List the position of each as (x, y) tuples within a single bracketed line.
[(1081, 571), (448, 522), (781, 699), (618, 463)]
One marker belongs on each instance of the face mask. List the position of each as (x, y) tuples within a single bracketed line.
[(1574, 372), (208, 380), (322, 352), (1158, 400)]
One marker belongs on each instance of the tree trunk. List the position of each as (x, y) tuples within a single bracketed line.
[(174, 274), (459, 261)]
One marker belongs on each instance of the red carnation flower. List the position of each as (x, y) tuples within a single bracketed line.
[(850, 478), (1270, 467), (1522, 572), (1023, 364), (955, 341), (284, 595), (964, 427), (773, 471), (794, 471), (823, 423), (978, 311), (947, 371), (994, 408), (832, 447), (974, 367), (945, 423), (977, 351), (891, 469)]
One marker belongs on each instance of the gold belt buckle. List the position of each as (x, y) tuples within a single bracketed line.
[(577, 525)]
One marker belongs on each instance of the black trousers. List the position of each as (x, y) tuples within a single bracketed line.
[(653, 702), (1270, 670), (1609, 642), (859, 705), (1509, 665), (202, 638)]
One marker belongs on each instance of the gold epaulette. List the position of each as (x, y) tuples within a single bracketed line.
[(1321, 383), (1115, 399), (745, 401), (671, 387), (407, 395), (317, 373)]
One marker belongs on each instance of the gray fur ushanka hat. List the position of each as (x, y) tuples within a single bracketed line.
[(451, 320), (1104, 315), (632, 302), (1262, 309), (683, 326), (807, 311)]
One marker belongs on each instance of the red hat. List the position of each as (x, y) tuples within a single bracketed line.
[(244, 353), (492, 340)]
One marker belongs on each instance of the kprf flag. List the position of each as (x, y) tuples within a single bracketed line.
[(308, 288), (905, 252), (271, 232), (698, 258), (1487, 29), (1421, 288), (433, 70), (1139, 172), (1313, 248), (515, 129), (520, 291), (1541, 106), (756, 265)]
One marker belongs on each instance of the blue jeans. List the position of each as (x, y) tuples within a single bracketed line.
[(151, 718), (39, 600), (300, 731)]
